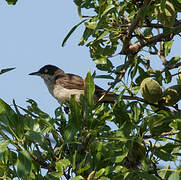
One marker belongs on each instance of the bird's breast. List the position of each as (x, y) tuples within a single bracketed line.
[(63, 94)]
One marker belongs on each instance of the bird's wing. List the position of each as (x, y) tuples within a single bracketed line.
[(70, 81)]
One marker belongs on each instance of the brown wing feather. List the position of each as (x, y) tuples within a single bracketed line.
[(70, 81)]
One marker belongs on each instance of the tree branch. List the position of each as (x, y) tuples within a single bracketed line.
[(161, 37), (163, 134), (132, 27)]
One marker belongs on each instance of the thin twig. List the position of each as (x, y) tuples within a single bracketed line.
[(160, 53), (173, 66), (162, 135), (43, 163), (49, 143), (155, 170), (172, 139), (131, 29)]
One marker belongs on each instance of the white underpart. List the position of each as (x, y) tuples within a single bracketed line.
[(62, 94), (59, 92)]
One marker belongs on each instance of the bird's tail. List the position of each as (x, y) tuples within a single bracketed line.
[(108, 98), (104, 97)]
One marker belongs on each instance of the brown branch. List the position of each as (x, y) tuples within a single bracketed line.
[(147, 66), (131, 29), (43, 164), (161, 52), (163, 134), (155, 170), (133, 49), (173, 66), (136, 20), (144, 101), (49, 143), (176, 140)]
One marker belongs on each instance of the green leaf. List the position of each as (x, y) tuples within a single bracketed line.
[(55, 175), (101, 60), (33, 136), (108, 8), (175, 176), (104, 76), (5, 108), (3, 147), (120, 158), (24, 164), (163, 154), (136, 112), (108, 66), (71, 31), (77, 178), (11, 2), (61, 166), (10, 157), (69, 133), (104, 178), (177, 5), (36, 110), (158, 124), (7, 115), (52, 176), (147, 176), (120, 108), (166, 13), (167, 47), (6, 70), (173, 60), (79, 11), (86, 35), (91, 25), (83, 169), (99, 173), (102, 35), (164, 173), (62, 163), (90, 88), (135, 69), (76, 113), (168, 76)]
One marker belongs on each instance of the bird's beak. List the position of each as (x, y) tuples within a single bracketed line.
[(35, 73)]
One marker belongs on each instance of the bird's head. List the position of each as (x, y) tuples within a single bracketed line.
[(48, 72)]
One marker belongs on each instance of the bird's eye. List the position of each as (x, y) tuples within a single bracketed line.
[(46, 70)]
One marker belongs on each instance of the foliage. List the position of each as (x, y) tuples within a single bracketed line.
[(146, 140), (11, 2)]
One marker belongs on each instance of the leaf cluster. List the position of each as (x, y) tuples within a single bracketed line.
[(82, 144)]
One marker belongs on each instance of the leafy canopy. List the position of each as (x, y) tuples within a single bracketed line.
[(146, 140)]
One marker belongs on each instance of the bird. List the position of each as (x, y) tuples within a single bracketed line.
[(63, 85)]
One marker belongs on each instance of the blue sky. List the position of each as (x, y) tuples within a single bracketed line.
[(31, 34)]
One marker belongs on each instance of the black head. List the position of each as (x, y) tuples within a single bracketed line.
[(47, 69)]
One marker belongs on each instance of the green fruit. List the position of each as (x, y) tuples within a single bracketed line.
[(151, 90), (172, 95), (179, 75)]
